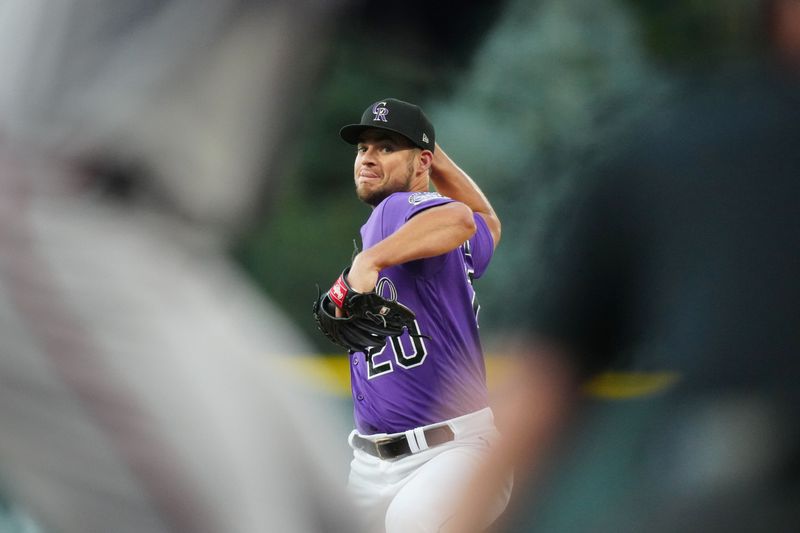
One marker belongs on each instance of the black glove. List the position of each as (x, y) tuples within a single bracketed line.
[(368, 318)]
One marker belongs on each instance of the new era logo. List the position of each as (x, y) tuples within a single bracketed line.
[(425, 138)]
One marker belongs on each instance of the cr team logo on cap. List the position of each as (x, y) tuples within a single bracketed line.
[(380, 111)]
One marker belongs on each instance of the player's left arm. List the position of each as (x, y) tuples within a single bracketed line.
[(434, 231)]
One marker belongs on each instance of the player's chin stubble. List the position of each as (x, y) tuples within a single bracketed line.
[(375, 196), (378, 195)]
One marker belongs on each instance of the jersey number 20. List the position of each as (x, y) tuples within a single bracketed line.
[(417, 356)]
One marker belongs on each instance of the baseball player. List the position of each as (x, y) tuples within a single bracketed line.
[(421, 411)]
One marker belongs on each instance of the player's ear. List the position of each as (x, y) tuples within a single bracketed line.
[(426, 160)]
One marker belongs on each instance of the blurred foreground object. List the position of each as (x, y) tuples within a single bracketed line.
[(680, 253), (140, 387)]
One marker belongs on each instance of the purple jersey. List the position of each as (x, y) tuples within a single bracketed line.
[(438, 373)]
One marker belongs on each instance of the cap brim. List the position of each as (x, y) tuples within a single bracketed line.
[(352, 132)]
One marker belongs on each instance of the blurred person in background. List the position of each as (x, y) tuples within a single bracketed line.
[(140, 386), (677, 255)]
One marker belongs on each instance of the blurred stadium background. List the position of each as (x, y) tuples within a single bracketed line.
[(523, 94)]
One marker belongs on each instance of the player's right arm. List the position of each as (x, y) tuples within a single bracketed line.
[(454, 183)]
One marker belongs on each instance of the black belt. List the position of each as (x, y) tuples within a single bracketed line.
[(395, 447)]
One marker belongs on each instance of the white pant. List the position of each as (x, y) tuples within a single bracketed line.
[(417, 493)]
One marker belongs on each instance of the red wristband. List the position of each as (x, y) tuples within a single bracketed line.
[(338, 292)]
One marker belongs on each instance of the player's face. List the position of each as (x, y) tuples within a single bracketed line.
[(385, 164)]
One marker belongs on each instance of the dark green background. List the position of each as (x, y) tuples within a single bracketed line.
[(524, 96)]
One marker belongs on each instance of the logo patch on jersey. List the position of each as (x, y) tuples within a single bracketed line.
[(380, 111), (419, 197)]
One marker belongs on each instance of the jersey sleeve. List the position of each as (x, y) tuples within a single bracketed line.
[(481, 247), (399, 208), (420, 201)]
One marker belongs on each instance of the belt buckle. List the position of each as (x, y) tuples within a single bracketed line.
[(378, 443)]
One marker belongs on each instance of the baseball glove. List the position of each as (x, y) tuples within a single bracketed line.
[(368, 318)]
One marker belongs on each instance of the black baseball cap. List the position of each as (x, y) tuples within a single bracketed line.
[(394, 115)]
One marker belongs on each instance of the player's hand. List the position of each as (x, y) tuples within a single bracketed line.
[(363, 275), (366, 320)]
